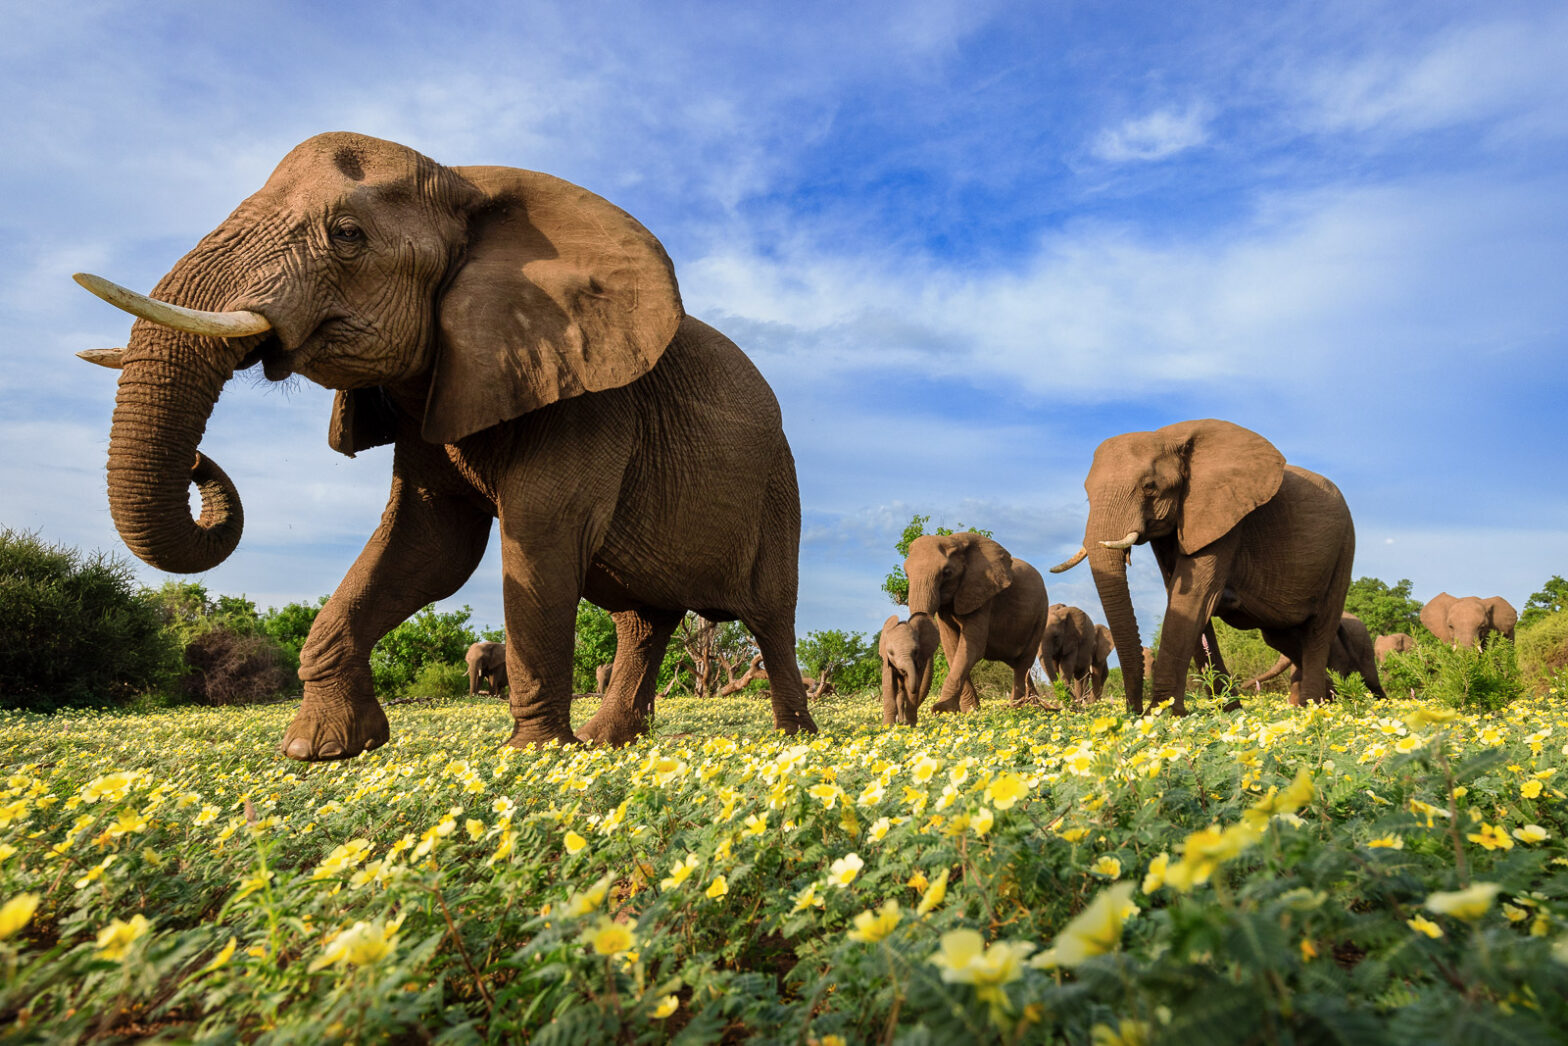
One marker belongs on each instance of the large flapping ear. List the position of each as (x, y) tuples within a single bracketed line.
[(1434, 616), (1504, 616), (1230, 472), (361, 419), (559, 293), (887, 626), (987, 570)]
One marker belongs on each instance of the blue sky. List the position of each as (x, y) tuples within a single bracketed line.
[(964, 241)]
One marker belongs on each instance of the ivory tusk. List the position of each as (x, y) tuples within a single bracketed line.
[(114, 359), (236, 324), (1073, 561), (1125, 543)]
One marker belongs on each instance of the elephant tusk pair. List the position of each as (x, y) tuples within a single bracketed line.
[(235, 324)]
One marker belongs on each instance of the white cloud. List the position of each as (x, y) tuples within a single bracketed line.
[(1157, 136)]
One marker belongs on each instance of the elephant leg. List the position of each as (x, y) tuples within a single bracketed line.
[(1021, 687), (1195, 584), (641, 637), (890, 697), (958, 693), (540, 590), (786, 690), (473, 680), (427, 545)]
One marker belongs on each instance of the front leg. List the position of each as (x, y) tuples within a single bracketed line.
[(432, 536), (1194, 586), (969, 635)]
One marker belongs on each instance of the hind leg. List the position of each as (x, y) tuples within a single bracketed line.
[(626, 712)]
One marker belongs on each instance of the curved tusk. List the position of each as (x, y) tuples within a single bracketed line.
[(236, 324), (1125, 543), (1073, 561), (114, 359)]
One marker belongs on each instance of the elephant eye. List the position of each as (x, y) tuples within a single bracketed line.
[(346, 231)]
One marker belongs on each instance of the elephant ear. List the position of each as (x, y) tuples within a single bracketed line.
[(1104, 642), (987, 570), (361, 419), (1504, 616), (1434, 616), (559, 293), (887, 626), (1230, 472)]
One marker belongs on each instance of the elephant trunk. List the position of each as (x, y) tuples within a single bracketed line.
[(169, 384), (1109, 566), (925, 594)]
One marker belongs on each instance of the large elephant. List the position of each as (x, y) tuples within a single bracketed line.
[(521, 344), (1237, 534), (1467, 620), (1393, 643), (907, 650), (1070, 650), (987, 605), (1351, 652), (486, 661)]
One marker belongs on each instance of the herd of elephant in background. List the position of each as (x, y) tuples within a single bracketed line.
[(522, 345)]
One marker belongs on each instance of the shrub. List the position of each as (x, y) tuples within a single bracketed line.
[(1407, 674), (289, 626), (1476, 679), (227, 668), (1543, 649), (595, 645), (429, 637), (75, 630), (439, 680)]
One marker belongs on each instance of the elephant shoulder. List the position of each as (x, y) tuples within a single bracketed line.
[(704, 365)]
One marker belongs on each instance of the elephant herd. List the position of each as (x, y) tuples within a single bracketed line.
[(521, 345)]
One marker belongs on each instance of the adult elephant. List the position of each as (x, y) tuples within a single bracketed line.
[(486, 661), (1351, 652), (521, 344), (987, 605), (1394, 643), (1237, 533), (1467, 620), (1069, 648), (907, 650)]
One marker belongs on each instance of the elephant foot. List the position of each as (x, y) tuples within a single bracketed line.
[(614, 731), (320, 732), (795, 722), (946, 706)]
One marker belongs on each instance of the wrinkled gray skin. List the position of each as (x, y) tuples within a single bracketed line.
[(907, 650), (987, 605), (1467, 621), (1394, 643), (486, 661), (1067, 649), (1351, 652)]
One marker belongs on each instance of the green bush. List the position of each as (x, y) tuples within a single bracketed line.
[(429, 637), (595, 645), (229, 655), (435, 679), (1476, 679), (1408, 674), (289, 626), (1542, 647), (75, 630)]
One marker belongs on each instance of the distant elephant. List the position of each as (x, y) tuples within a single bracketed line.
[(486, 661), (522, 345), (1068, 650), (1237, 534), (601, 678), (1467, 621), (1397, 642), (1351, 652), (907, 650), (987, 605)]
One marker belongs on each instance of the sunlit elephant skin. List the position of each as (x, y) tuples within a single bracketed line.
[(521, 344), (1393, 643), (486, 661), (907, 650), (1467, 620), (1237, 534), (987, 604), (1351, 652), (1071, 649)]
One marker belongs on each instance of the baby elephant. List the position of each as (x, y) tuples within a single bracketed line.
[(486, 661), (1393, 643), (907, 650)]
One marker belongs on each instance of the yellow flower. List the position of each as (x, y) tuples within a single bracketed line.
[(251, 884), (807, 898), (1421, 924), (934, 895), (879, 829), (982, 821), (115, 940), (1531, 833), (842, 872), (474, 828), (1072, 835), (611, 938), (342, 857), (1098, 928), (827, 793), (925, 766), (1006, 789), (965, 959), (918, 881), (1156, 875), (1428, 716), (755, 824), (1469, 904), (1491, 837), (362, 944), (1126, 1033), (718, 888), (1514, 914), (590, 899), (680, 872), (17, 913), (574, 842), (1107, 866), (1387, 842), (1309, 951), (666, 1006), (221, 959), (95, 873), (1530, 789), (873, 926)]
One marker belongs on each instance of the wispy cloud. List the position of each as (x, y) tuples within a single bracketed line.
[(1157, 136)]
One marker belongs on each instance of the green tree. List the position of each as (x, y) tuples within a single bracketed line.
[(836, 655), (1385, 609), (289, 626), (896, 584), (595, 645), (429, 637), (75, 630), (229, 656), (1552, 599)]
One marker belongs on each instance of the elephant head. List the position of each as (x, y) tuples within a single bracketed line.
[(1188, 483), (906, 649), (468, 296), (1466, 621), (957, 572)]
